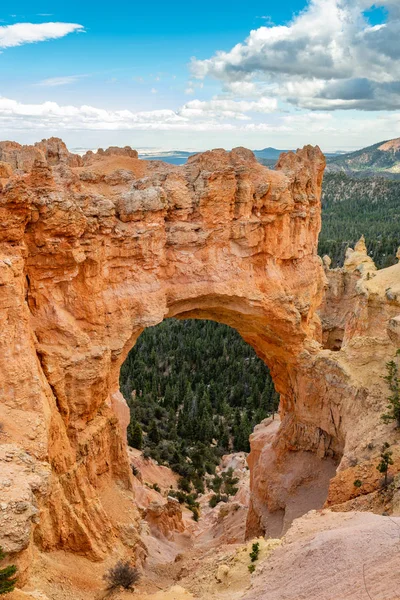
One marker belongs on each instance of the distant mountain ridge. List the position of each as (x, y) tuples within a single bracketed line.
[(269, 153), (382, 159), (379, 159), (267, 156)]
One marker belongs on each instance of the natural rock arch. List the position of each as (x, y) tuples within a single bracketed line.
[(94, 250)]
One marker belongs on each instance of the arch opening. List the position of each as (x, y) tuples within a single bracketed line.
[(196, 390), (175, 434)]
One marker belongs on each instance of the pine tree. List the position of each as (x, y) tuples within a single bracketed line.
[(224, 439), (154, 434), (7, 579), (393, 381), (386, 461), (136, 439)]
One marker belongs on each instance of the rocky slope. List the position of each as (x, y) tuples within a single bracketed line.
[(96, 248), (330, 556), (324, 554), (382, 158), (359, 318)]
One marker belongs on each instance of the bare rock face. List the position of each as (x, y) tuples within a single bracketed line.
[(95, 249), (284, 485), (343, 398), (358, 259), (165, 518)]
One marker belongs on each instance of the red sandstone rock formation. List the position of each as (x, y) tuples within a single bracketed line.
[(95, 249), (343, 395)]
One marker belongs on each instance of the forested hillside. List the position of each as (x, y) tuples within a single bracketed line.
[(195, 390), (352, 207), (382, 158)]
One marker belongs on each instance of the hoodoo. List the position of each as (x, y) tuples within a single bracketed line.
[(93, 250)]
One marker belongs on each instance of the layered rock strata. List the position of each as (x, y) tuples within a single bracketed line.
[(96, 248), (344, 398)]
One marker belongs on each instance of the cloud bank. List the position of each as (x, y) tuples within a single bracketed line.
[(195, 116), (51, 115), (328, 57)]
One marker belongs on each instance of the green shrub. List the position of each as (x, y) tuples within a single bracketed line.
[(135, 435), (386, 461), (196, 512), (146, 453), (255, 550), (7, 579), (199, 485), (213, 501), (184, 485), (230, 483), (393, 380)]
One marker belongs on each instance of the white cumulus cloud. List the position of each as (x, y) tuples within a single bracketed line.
[(28, 33), (195, 114), (227, 108), (225, 116), (328, 57)]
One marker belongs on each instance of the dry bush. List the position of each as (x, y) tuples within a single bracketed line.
[(122, 574)]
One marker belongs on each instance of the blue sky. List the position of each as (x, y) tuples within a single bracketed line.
[(183, 75)]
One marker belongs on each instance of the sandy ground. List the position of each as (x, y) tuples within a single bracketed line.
[(333, 556), (324, 556)]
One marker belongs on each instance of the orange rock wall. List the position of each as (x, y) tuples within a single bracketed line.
[(339, 394), (94, 249)]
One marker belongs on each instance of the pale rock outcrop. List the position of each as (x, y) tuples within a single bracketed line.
[(22, 480), (222, 573), (165, 518), (283, 488), (152, 484), (358, 259), (147, 473), (326, 261)]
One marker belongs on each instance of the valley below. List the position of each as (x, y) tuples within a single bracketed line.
[(328, 554)]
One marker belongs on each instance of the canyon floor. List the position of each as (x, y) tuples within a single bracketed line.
[(324, 555)]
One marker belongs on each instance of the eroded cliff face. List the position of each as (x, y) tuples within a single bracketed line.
[(343, 395), (95, 249)]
